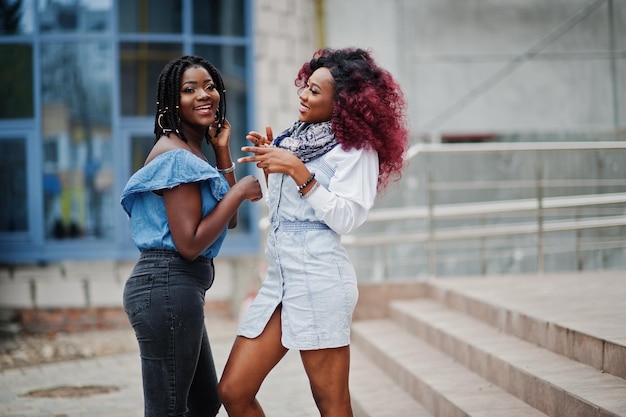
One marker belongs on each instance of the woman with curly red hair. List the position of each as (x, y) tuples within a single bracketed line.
[(323, 174)]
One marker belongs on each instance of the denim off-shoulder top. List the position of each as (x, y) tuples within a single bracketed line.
[(146, 209)]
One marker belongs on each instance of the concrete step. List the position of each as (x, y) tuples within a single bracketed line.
[(443, 386), (579, 316), (374, 394), (551, 383)]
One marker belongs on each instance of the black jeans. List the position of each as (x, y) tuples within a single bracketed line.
[(164, 302)]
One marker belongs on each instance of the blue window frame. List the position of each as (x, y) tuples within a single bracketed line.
[(82, 87)]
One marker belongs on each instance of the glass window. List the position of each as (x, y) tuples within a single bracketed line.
[(76, 137), (140, 66), (218, 17), (16, 82), (75, 16), (14, 204), (16, 17), (230, 61), (150, 16), (140, 146)]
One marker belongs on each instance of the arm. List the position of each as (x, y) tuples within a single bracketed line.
[(224, 161), (191, 232), (275, 160), (351, 192)]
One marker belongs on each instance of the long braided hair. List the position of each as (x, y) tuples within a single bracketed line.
[(167, 118)]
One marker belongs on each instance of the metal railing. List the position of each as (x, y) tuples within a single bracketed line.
[(567, 215)]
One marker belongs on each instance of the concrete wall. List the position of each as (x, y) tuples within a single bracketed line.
[(517, 70), (470, 66), (68, 296), (286, 37)]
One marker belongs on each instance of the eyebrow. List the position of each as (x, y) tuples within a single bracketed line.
[(208, 80)]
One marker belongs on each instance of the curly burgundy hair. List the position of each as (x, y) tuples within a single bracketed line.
[(368, 109)]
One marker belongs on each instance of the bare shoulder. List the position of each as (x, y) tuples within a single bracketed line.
[(165, 144)]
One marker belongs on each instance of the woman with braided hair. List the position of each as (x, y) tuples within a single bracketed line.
[(323, 174), (180, 208)]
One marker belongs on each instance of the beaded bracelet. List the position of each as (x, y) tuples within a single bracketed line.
[(308, 193), (305, 183), (227, 170)]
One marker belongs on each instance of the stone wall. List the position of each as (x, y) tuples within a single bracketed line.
[(74, 295)]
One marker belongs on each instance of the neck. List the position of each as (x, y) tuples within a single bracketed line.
[(194, 135)]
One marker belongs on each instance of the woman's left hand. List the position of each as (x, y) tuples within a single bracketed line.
[(259, 140)]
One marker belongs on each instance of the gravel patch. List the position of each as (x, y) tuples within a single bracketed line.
[(20, 350), (27, 350)]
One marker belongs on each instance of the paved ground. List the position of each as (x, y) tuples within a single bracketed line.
[(284, 394), (593, 303)]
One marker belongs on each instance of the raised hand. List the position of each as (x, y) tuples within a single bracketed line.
[(258, 139), (220, 140)]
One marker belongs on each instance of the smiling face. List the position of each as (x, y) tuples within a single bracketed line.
[(199, 98), (316, 99)]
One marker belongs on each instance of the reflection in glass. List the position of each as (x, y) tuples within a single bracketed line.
[(13, 205), (16, 17), (230, 61), (140, 146), (218, 17), (16, 81), (150, 16), (140, 66), (75, 16), (77, 151)]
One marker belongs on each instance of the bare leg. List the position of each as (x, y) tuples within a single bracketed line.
[(249, 363), (328, 371)]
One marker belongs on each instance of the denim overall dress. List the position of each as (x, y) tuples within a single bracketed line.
[(309, 272)]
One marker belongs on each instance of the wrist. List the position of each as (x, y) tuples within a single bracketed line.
[(305, 195), (226, 170), (302, 186), (300, 173), (218, 147), (223, 158)]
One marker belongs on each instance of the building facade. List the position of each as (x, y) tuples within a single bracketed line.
[(78, 82), (78, 77), (78, 113)]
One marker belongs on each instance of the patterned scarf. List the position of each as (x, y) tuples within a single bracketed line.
[(307, 140)]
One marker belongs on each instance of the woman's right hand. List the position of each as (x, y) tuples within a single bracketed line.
[(249, 188)]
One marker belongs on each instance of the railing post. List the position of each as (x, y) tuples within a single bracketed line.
[(432, 246), (385, 262), (580, 260), (540, 249), (483, 251)]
